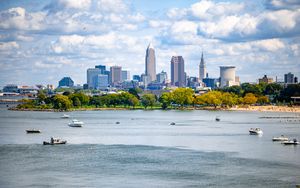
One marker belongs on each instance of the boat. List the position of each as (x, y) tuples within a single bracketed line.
[(255, 131), (280, 138), (29, 131), (55, 141), (65, 116), (172, 123), (117, 122), (76, 123), (218, 118), (291, 142)]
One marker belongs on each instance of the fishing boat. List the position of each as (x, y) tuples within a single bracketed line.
[(76, 123), (55, 141), (255, 131), (280, 138), (31, 131)]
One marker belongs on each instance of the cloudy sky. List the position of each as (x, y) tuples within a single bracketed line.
[(43, 41)]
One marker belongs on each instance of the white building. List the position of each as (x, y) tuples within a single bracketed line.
[(227, 76)]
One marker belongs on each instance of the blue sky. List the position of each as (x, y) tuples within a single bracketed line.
[(43, 41)]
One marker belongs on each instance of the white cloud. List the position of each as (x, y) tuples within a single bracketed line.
[(5, 46), (77, 4), (269, 44)]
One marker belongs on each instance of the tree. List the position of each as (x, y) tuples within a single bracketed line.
[(165, 100), (263, 100), (76, 102), (234, 89), (135, 92), (229, 99), (250, 99), (133, 101), (183, 96), (83, 98), (148, 100), (256, 89), (289, 91), (41, 96), (61, 102)]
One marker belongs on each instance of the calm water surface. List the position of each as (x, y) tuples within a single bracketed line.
[(145, 151)]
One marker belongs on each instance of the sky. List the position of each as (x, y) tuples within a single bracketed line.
[(43, 41)]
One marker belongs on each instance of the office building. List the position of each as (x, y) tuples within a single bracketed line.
[(11, 88), (92, 77), (136, 78), (115, 75), (177, 71), (289, 78), (161, 77), (265, 80), (227, 76), (102, 81), (66, 82), (150, 63), (202, 69), (211, 82), (125, 75)]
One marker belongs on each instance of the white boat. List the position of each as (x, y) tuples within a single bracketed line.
[(280, 138), (291, 142), (76, 123), (54, 141), (65, 116), (255, 131)]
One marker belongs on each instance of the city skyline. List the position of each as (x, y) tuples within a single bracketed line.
[(44, 41)]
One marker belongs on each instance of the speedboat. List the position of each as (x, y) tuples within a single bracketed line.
[(291, 142), (172, 123), (65, 116), (29, 131), (55, 141), (255, 131), (218, 118), (76, 123), (280, 138)]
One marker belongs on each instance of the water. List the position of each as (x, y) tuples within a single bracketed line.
[(145, 151)]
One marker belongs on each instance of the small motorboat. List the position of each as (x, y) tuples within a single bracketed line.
[(255, 131), (280, 138), (76, 123), (65, 116), (291, 142), (172, 123), (55, 141), (117, 122), (30, 131), (218, 118)]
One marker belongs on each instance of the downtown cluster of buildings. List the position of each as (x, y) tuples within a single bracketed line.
[(114, 78), (102, 79)]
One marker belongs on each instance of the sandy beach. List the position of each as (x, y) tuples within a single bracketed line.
[(269, 108)]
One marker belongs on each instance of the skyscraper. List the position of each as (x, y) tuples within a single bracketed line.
[(150, 63), (177, 71), (115, 74), (289, 78), (66, 82), (227, 76), (202, 69), (125, 75), (92, 77)]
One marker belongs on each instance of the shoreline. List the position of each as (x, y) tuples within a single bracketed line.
[(268, 108)]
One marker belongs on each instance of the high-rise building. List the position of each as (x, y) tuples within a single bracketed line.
[(102, 81), (177, 71), (92, 77), (115, 75), (227, 76), (202, 69), (101, 67), (125, 75), (66, 82), (211, 82), (289, 78), (150, 63), (161, 77)]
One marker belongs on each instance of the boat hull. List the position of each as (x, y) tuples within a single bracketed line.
[(33, 131), (55, 143)]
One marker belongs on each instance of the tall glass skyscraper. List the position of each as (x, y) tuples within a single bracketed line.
[(177, 71), (150, 63)]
